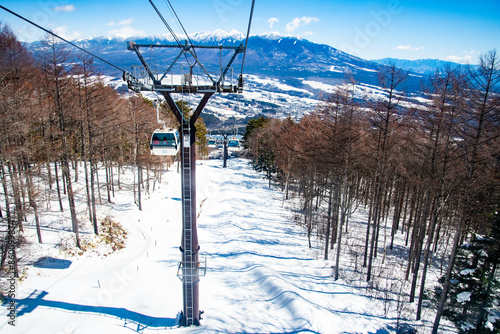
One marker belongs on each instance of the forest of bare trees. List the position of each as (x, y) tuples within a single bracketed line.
[(57, 117), (428, 170)]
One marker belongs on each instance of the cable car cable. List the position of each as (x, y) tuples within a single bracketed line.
[(182, 26), (171, 31), (55, 35), (195, 56), (166, 23), (248, 34)]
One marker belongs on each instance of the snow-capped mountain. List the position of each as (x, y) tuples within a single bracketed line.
[(284, 75), (421, 66), (270, 54)]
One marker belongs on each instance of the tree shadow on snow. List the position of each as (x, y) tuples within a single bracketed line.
[(132, 320), (52, 263)]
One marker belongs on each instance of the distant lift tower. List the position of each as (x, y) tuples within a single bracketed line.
[(189, 268)]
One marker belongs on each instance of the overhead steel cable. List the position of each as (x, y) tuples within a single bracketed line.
[(248, 34), (55, 35), (165, 23), (182, 26), (170, 30)]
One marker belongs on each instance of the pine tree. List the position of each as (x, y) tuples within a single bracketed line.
[(201, 138), (473, 297), (252, 125)]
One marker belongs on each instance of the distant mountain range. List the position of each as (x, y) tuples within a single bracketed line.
[(420, 66), (272, 55), (284, 76)]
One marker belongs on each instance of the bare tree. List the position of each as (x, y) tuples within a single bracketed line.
[(59, 90), (392, 79), (480, 123)]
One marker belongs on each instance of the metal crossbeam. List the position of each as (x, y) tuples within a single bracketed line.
[(216, 86)]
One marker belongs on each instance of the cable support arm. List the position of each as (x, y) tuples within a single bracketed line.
[(188, 46), (133, 47), (185, 48), (238, 50)]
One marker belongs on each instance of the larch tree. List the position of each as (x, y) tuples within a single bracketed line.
[(388, 113), (480, 125), (59, 90)]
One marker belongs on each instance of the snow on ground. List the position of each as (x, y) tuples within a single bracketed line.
[(320, 85), (276, 83), (261, 278)]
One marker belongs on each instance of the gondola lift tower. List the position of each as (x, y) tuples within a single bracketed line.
[(190, 269)]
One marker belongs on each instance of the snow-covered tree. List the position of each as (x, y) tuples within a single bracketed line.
[(473, 298)]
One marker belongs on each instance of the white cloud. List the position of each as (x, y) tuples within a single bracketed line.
[(468, 57), (65, 8), (298, 22), (272, 21), (63, 32), (409, 48), (126, 32), (125, 22)]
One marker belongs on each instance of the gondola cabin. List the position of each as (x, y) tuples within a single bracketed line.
[(212, 143), (235, 143), (165, 142)]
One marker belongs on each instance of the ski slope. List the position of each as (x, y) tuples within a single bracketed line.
[(261, 277)]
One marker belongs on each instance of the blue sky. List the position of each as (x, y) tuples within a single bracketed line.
[(409, 29)]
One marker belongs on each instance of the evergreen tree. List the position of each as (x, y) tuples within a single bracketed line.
[(473, 298), (201, 128), (201, 138), (258, 141), (266, 161), (251, 126)]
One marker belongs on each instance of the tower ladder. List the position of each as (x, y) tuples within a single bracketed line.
[(189, 275)]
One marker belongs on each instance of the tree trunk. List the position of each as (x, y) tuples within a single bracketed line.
[(92, 197), (58, 187), (108, 190), (71, 201), (96, 171), (33, 204), (328, 222), (17, 198), (139, 186)]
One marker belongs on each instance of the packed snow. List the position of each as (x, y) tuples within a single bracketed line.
[(464, 296), (261, 277)]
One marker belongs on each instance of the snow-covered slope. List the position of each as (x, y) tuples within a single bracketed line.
[(262, 278)]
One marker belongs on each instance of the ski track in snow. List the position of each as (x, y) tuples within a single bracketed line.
[(261, 277)]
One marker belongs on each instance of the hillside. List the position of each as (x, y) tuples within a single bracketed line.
[(284, 76), (261, 276), (420, 66)]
